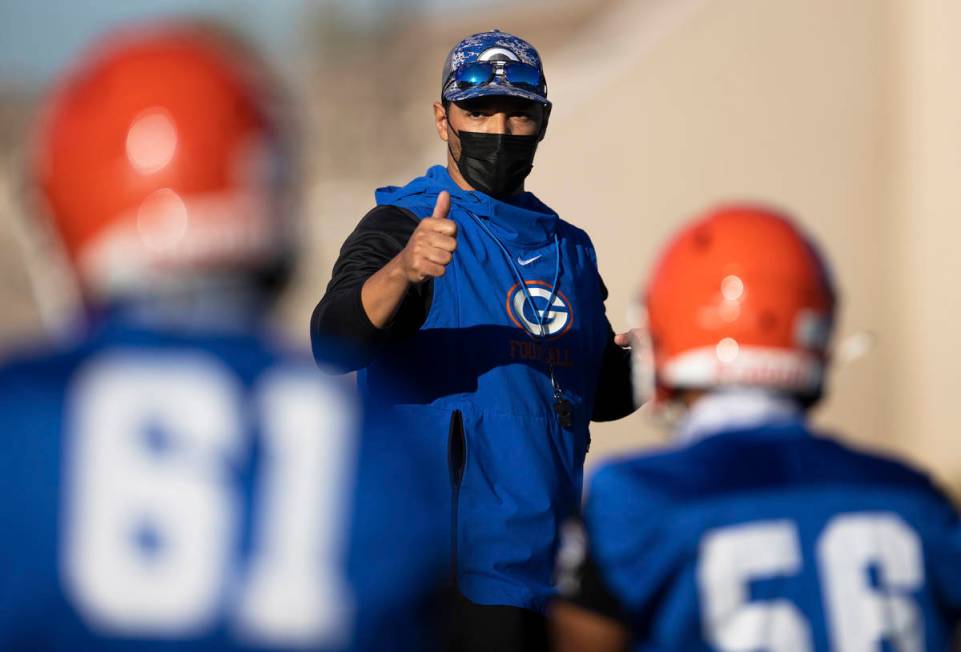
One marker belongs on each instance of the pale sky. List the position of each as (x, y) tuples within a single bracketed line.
[(38, 37)]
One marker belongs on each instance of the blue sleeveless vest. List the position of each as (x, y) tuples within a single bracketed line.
[(475, 384)]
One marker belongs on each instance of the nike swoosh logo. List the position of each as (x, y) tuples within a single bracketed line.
[(528, 261)]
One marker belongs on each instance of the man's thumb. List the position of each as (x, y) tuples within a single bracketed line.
[(442, 207)]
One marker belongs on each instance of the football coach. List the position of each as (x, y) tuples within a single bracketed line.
[(491, 309)]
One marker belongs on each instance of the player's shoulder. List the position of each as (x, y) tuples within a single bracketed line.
[(861, 464), (665, 468), (322, 376), (247, 353), (757, 459), (644, 480), (260, 357), (36, 363), (819, 457), (629, 508)]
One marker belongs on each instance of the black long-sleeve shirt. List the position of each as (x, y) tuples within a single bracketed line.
[(378, 238)]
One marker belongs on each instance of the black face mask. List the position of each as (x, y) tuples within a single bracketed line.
[(495, 164)]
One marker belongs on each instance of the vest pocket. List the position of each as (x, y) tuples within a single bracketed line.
[(456, 461)]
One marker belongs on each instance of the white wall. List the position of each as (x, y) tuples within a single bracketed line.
[(844, 113)]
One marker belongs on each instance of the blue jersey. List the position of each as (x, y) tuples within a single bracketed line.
[(482, 397), (178, 490), (773, 539)]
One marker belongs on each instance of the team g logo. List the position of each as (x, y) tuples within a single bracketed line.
[(558, 317)]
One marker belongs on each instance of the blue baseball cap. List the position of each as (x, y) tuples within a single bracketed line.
[(508, 57)]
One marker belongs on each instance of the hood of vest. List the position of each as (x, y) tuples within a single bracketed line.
[(521, 220)]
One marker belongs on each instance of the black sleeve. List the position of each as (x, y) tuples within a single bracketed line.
[(579, 578), (593, 594), (615, 392), (381, 234)]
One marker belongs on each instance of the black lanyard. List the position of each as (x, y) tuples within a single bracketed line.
[(563, 407)]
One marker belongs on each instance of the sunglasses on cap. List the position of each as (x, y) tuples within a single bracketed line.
[(514, 73)]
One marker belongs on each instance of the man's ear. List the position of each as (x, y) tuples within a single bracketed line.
[(440, 120), (546, 119)]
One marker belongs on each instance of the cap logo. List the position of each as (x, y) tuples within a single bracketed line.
[(497, 54)]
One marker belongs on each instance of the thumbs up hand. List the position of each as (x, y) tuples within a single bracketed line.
[(431, 246)]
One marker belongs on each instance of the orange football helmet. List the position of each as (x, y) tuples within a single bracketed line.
[(160, 157), (739, 297)]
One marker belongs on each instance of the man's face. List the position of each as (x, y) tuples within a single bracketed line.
[(492, 114)]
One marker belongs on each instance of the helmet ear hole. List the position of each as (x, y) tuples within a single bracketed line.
[(702, 239), (767, 320)]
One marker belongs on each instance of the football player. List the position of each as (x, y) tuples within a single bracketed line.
[(754, 532), (171, 477)]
